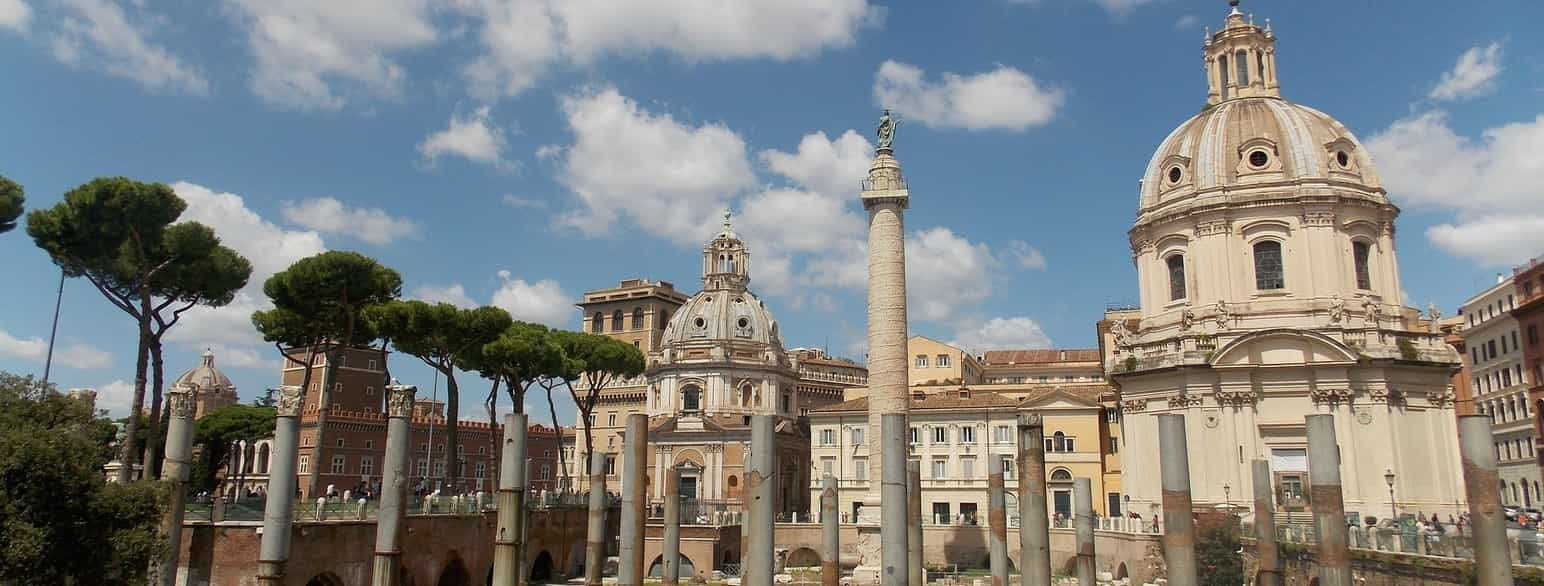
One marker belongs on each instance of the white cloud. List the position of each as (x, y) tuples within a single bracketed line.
[(1001, 333), (453, 294), (236, 357), (15, 14), (833, 167), (1120, 7), (542, 302), (116, 397), (1474, 75), (1003, 98), (321, 55), (474, 137), (1492, 240), (329, 216), (522, 39), (669, 178), (1187, 21), (522, 203), (946, 274), (1490, 183), (268, 247), (69, 352), (100, 34), (1026, 256)]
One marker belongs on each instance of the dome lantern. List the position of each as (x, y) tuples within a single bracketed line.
[(1240, 60), (725, 260)]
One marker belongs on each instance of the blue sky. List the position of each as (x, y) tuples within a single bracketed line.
[(519, 152)]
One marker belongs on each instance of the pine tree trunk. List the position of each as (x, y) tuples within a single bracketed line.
[(452, 417), (557, 428), (130, 448), (155, 436)]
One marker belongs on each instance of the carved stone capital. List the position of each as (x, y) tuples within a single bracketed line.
[(289, 400), (179, 402), (1330, 395), (1441, 398), (1133, 405), (1211, 227), (1183, 401), (1237, 398), (1386, 395), (399, 400)]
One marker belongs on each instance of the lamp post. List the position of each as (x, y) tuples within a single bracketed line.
[(1389, 478)]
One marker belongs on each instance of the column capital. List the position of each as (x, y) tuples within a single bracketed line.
[(289, 402), (399, 399), (179, 401)]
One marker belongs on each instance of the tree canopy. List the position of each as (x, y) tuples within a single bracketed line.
[(52, 448), (12, 200), (321, 302), (119, 235), (599, 361)]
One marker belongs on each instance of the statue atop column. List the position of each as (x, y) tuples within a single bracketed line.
[(886, 131)]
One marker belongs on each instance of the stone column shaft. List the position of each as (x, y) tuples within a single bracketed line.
[(595, 535), (1269, 573), (1083, 519), (670, 555), (997, 522), (1492, 556), (1034, 522), (174, 471), (761, 482), (830, 535), (635, 454), (885, 198), (507, 551), (1329, 508), (394, 477), (1179, 546), (914, 571), (279, 510)]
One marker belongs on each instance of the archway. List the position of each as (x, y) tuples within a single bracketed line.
[(803, 557), (1121, 571), (541, 567), (454, 574), (325, 579), (685, 568)]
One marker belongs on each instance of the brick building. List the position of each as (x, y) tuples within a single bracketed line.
[(1529, 313)]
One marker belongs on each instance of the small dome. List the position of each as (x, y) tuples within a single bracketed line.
[(205, 376), (722, 315), (1264, 141)]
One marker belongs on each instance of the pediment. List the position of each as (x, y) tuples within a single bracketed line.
[(1059, 400), (1282, 347)]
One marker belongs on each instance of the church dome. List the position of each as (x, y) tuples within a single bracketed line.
[(205, 376), (1265, 141), (716, 316)]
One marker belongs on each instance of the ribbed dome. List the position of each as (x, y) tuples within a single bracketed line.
[(1264, 141), (206, 377), (719, 315)]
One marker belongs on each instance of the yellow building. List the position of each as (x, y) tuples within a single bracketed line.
[(936, 363)]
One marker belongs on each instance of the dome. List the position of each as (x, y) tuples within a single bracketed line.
[(205, 376), (719, 316), (1249, 141)]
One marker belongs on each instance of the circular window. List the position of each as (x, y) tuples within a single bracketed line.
[(1174, 174), (1258, 159), (699, 322), (744, 323), (1342, 158)]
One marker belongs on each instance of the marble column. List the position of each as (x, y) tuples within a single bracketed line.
[(394, 475), (279, 511), (174, 472)]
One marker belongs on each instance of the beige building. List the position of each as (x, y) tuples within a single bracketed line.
[(1269, 287), (1499, 389), (936, 363), (211, 388)]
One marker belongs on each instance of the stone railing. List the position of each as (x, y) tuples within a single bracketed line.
[(1526, 545)]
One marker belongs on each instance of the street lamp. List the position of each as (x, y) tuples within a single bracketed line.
[(1389, 478)]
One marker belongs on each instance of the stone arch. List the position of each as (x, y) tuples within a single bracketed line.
[(685, 569), (325, 579), (1121, 571), (454, 573), (262, 458), (1282, 346), (803, 557), (689, 456), (541, 567), (1060, 475)]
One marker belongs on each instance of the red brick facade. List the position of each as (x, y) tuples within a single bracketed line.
[(1529, 313)]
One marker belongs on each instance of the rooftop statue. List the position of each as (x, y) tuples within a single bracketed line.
[(886, 130)]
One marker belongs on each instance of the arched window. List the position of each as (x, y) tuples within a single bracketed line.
[(1059, 440), (745, 395), (1511, 409), (262, 459), (1222, 66), (616, 321), (1360, 251), (597, 323), (691, 399), (1176, 277), (1267, 266), (1242, 59), (637, 318), (1061, 475)]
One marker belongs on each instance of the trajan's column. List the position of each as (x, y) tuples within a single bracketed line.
[(884, 513)]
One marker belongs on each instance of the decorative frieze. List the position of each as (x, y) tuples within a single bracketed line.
[(1133, 405), (1331, 395), (1183, 401), (1319, 219), (1241, 398), (1210, 227)]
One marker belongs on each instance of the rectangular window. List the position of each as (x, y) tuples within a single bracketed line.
[(1361, 250), (921, 361), (1112, 415), (305, 464), (423, 468), (366, 466), (940, 468), (967, 468), (337, 464), (611, 419), (423, 446), (1533, 335), (941, 514), (1176, 277), (857, 436), (941, 361), (860, 468), (940, 435), (967, 435), (439, 469), (916, 435), (1506, 378), (1515, 345), (1268, 266), (1002, 434), (372, 365), (369, 444), (1007, 467), (545, 473), (1491, 348), (828, 466), (482, 470), (827, 437), (340, 442), (611, 465)]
